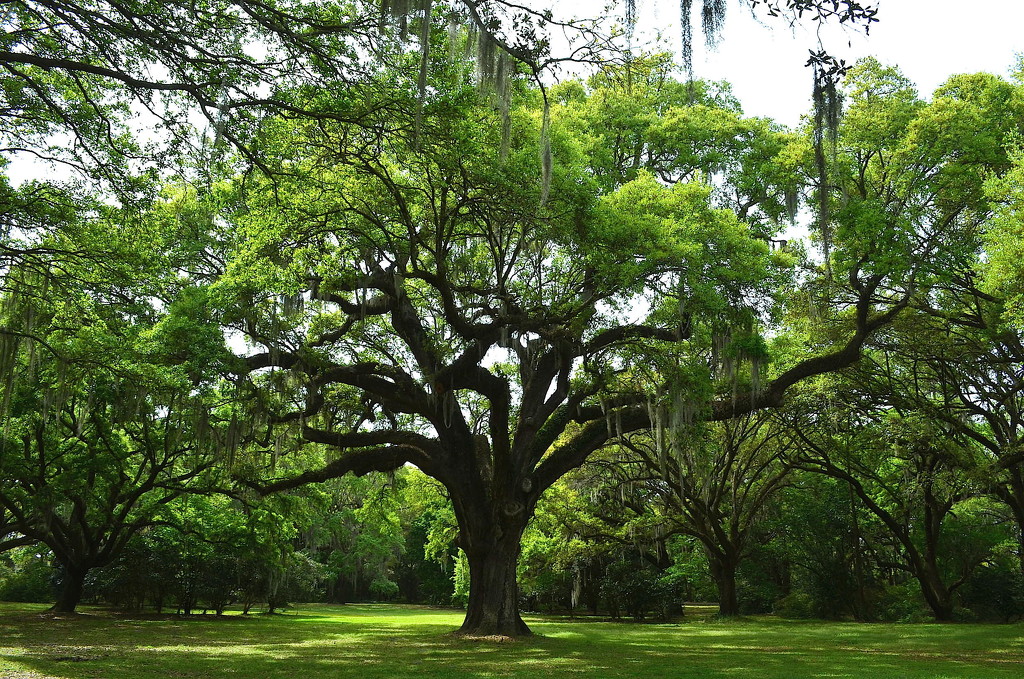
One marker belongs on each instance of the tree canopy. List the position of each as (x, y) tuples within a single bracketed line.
[(372, 237)]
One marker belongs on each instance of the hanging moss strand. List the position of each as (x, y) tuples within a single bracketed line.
[(421, 81)]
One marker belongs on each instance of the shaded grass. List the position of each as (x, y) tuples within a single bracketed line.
[(378, 641)]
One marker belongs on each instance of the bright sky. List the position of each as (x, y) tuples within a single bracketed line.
[(929, 40)]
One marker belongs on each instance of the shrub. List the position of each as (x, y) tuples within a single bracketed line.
[(27, 576)]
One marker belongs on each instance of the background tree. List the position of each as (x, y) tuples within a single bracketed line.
[(87, 462), (98, 430), (1003, 239), (717, 486), (911, 478), (827, 541)]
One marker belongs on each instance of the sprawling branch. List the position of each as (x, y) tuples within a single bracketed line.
[(866, 324), (358, 462)]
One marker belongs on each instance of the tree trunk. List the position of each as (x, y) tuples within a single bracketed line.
[(71, 590), (934, 588), (493, 608), (1012, 495), (936, 594), (723, 572), (942, 606), (861, 608)]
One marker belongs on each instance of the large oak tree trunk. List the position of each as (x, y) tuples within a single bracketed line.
[(71, 590), (493, 607), (492, 542), (936, 593), (723, 572), (940, 603)]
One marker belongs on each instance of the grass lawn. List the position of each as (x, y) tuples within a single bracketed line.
[(378, 641)]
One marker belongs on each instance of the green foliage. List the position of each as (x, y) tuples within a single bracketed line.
[(406, 280), (638, 590), (913, 171), (26, 575), (460, 581), (1004, 238), (188, 337), (209, 552), (95, 438), (996, 590), (902, 602)]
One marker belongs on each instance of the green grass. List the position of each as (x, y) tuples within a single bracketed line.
[(378, 641)]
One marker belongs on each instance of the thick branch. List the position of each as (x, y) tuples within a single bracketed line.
[(358, 462)]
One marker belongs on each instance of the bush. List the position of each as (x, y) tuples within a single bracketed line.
[(796, 605), (995, 591), (902, 603), (638, 590), (383, 589), (27, 576)]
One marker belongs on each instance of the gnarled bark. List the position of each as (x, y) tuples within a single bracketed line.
[(493, 608), (72, 587), (723, 572)]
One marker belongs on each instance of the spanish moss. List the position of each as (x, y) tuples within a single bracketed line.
[(421, 81), (712, 21), (792, 198), (503, 90), (686, 28), (453, 36), (827, 111)]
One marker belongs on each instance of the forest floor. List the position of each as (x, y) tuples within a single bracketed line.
[(378, 641)]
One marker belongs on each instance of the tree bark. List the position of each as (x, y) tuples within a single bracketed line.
[(723, 572), (71, 590), (493, 607), (936, 593)]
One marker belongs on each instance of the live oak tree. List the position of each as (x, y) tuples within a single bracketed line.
[(99, 429), (960, 345), (88, 457), (986, 390), (444, 257), (470, 326), (968, 135), (969, 361), (409, 299), (909, 472), (713, 482), (715, 485), (913, 176)]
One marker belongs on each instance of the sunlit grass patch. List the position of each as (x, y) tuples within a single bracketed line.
[(386, 641)]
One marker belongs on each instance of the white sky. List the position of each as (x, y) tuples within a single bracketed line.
[(929, 40)]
